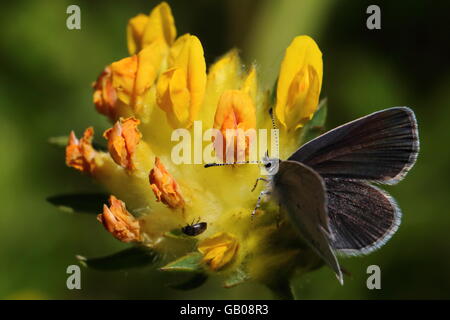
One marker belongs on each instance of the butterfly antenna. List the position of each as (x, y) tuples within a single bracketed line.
[(274, 126), (272, 118), (208, 165)]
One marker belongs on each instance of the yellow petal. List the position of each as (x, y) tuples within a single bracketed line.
[(303, 103), (180, 90), (218, 250), (149, 62), (223, 75), (161, 25), (294, 81), (180, 95), (123, 77), (250, 84), (135, 31), (143, 30), (163, 91), (132, 77), (192, 58), (176, 48), (235, 113)]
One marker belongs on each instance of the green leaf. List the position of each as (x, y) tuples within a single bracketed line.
[(197, 280), (236, 278), (138, 256), (80, 202), (188, 263), (316, 126), (60, 141), (179, 235), (281, 290)]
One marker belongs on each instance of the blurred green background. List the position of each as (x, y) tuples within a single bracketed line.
[(45, 78)]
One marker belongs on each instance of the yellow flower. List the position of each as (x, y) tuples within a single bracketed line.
[(136, 74), (181, 88), (79, 153), (235, 114), (123, 86), (218, 250), (164, 186), (119, 222), (299, 83), (123, 138), (250, 85), (224, 74), (164, 86), (143, 30)]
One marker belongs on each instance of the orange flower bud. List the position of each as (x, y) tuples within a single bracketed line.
[(235, 114), (165, 187), (218, 250), (119, 222), (105, 96), (79, 153), (122, 141)]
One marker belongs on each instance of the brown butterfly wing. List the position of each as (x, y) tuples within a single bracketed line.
[(301, 192)]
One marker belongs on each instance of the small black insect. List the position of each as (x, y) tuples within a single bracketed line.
[(194, 229)]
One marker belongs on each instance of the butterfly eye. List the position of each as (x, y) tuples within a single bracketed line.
[(268, 165)]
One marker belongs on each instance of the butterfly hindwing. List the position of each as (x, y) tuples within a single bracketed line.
[(379, 147), (301, 192), (362, 217)]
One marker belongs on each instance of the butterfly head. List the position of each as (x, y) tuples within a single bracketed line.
[(270, 164)]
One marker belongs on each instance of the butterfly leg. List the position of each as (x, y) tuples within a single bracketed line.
[(256, 182), (258, 202)]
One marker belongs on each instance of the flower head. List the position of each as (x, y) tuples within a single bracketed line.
[(163, 86), (119, 222), (123, 138), (79, 153), (299, 83)]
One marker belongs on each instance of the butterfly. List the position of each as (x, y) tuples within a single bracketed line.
[(326, 186)]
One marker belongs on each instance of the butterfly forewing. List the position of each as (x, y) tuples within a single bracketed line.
[(301, 192), (380, 147), (324, 186), (362, 217)]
